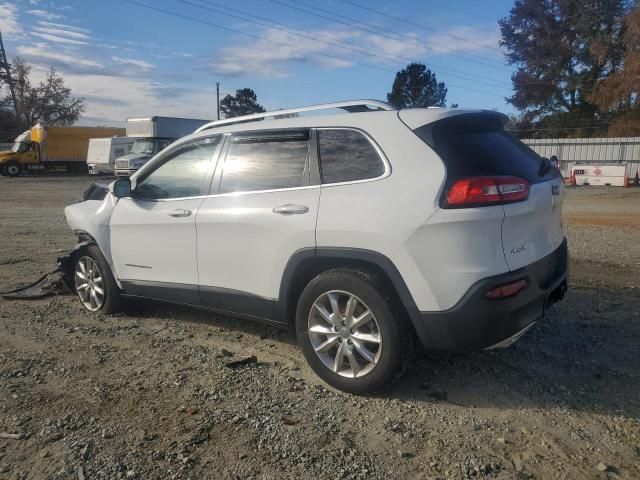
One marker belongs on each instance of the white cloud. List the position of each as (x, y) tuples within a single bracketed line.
[(113, 99), (340, 48), (133, 63), (45, 55), (9, 20), (58, 39), (63, 26), (44, 14), (62, 33), (270, 56)]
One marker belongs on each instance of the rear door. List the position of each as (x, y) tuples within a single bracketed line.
[(476, 145), (263, 211)]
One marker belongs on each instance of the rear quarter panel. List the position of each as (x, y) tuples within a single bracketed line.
[(380, 215)]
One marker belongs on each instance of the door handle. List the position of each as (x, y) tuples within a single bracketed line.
[(180, 212), (291, 209)]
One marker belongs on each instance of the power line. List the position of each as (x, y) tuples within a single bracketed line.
[(259, 37), (445, 5), (377, 30), (262, 21), (415, 24)]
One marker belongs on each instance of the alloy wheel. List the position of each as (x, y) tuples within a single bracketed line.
[(345, 334), (89, 283)]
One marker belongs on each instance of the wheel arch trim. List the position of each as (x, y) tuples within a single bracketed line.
[(310, 261)]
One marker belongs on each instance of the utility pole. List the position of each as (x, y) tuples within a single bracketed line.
[(218, 98), (5, 74)]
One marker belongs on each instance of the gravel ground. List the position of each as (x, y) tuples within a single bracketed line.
[(149, 393)]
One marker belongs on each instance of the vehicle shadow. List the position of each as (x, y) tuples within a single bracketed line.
[(585, 355), (181, 313)]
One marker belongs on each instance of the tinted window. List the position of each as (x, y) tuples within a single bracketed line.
[(346, 155), (266, 162), (184, 173), (472, 145)]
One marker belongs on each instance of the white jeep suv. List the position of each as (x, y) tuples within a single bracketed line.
[(359, 230)]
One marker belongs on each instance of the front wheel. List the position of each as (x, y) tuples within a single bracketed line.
[(349, 333), (94, 282), (12, 168)]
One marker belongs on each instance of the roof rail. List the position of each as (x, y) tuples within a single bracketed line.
[(351, 106)]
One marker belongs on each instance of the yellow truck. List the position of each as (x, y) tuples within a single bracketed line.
[(46, 148)]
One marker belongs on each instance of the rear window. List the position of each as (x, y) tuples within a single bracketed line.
[(479, 146)]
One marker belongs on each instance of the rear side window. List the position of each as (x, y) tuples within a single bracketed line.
[(346, 156), (477, 145), (266, 161)]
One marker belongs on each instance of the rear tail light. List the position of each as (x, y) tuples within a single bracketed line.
[(507, 290), (481, 191)]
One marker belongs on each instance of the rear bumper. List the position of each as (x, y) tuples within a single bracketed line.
[(124, 173), (477, 323)]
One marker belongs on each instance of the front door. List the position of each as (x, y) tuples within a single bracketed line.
[(264, 211), (153, 233)]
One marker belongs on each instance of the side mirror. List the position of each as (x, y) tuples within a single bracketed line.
[(122, 187)]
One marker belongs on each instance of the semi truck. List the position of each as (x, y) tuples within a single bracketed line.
[(152, 134), (103, 152), (46, 148)]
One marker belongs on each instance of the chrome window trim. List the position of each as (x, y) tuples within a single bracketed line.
[(376, 147), (224, 141)]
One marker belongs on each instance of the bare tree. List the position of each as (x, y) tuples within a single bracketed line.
[(50, 102)]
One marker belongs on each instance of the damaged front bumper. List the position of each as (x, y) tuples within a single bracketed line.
[(56, 282)]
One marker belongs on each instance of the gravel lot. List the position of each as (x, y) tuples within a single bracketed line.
[(148, 394)]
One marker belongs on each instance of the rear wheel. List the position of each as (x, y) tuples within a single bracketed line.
[(349, 333), (94, 282), (12, 168)]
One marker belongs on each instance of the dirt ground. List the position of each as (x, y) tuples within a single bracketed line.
[(147, 394)]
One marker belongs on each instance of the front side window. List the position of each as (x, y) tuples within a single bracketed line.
[(347, 156), (266, 161), (183, 173)]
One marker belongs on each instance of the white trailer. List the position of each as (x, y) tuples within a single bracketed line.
[(592, 174), (152, 134), (102, 153)]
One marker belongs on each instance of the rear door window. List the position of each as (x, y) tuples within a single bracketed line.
[(477, 145), (347, 156), (266, 161)]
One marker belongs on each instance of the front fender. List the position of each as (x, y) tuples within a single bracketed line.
[(90, 221)]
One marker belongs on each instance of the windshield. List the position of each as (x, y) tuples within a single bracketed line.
[(146, 147), (20, 147)]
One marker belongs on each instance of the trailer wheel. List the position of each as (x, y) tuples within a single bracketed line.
[(12, 168)]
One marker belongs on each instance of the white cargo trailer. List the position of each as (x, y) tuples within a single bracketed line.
[(590, 174), (103, 152), (152, 134)]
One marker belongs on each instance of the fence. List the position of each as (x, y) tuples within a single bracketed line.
[(571, 151)]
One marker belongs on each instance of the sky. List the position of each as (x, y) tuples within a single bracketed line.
[(164, 57)]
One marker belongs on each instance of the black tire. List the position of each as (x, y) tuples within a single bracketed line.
[(12, 168), (391, 326), (112, 300)]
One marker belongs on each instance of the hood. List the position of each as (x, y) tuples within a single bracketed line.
[(6, 153)]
